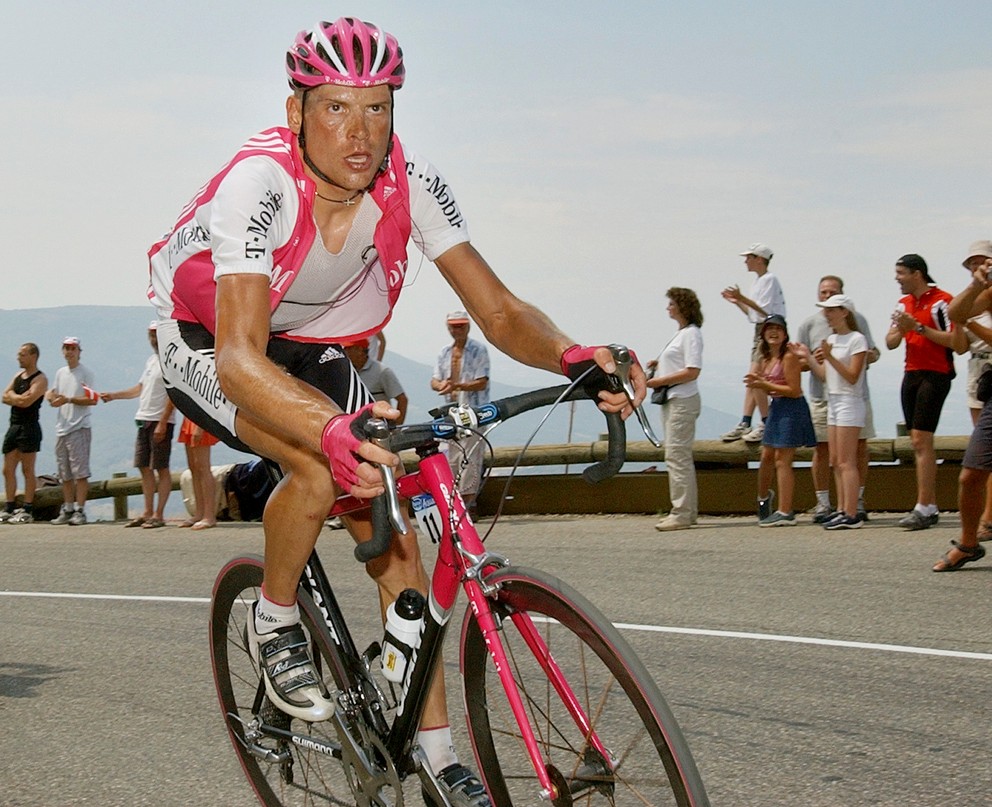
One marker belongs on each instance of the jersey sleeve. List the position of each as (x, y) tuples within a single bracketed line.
[(438, 224), (693, 348), (252, 213)]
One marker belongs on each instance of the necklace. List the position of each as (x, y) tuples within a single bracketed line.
[(349, 202)]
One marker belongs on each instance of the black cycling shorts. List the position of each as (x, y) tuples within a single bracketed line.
[(187, 354), (923, 395)]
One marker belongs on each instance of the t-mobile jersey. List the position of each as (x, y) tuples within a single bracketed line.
[(256, 216)]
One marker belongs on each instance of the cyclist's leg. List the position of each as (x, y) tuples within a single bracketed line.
[(292, 520)]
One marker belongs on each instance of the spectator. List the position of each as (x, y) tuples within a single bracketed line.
[(22, 442), (976, 467), (73, 395), (778, 374), (198, 443), (841, 361), (812, 332), (979, 333), (461, 375), (675, 372), (921, 320), (766, 299), (156, 417), (377, 345), (380, 381)]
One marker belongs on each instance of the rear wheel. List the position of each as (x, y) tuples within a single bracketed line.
[(641, 757), (281, 772)]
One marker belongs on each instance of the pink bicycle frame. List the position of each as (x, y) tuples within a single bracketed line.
[(454, 568)]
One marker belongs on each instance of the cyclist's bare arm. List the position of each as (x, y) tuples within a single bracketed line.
[(517, 328), (264, 392)]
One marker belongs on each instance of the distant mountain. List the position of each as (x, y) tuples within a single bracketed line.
[(115, 348)]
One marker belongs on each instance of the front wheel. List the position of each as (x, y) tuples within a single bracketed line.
[(626, 750)]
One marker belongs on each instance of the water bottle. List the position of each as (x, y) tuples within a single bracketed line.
[(403, 620)]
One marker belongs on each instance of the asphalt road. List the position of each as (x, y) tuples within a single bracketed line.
[(108, 700)]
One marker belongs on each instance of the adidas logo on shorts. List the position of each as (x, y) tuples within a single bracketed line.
[(330, 354)]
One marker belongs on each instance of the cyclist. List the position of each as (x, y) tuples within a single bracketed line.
[(296, 246)]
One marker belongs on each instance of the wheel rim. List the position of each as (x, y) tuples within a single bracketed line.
[(641, 769), (309, 777)]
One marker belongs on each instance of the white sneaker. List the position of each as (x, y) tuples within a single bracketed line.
[(77, 519), (754, 435), (669, 523), (291, 681), (21, 516), (64, 516), (735, 433), (5, 516)]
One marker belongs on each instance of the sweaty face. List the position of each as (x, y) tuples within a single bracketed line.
[(347, 130)]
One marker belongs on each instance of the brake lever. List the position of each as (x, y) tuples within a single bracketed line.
[(623, 361), (377, 431)]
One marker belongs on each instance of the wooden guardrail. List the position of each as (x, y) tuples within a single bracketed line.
[(724, 481)]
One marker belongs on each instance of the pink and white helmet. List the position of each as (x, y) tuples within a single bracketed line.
[(348, 52)]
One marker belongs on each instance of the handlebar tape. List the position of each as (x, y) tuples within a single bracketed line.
[(382, 532), (616, 454)]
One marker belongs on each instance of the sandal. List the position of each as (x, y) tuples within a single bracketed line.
[(985, 531), (189, 522), (204, 525), (136, 522), (970, 553), (152, 523)]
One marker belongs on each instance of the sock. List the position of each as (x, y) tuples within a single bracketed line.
[(746, 420), (823, 498), (930, 509), (438, 747), (270, 615), (27, 507), (10, 507)]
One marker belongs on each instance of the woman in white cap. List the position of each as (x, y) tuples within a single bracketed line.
[(841, 361)]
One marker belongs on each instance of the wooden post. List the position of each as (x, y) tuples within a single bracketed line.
[(120, 502)]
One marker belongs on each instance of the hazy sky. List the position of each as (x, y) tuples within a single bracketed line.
[(601, 152)]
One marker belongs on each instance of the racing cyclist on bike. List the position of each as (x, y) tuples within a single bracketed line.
[(298, 245)]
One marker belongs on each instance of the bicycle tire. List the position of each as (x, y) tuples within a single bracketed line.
[(316, 777), (652, 762)]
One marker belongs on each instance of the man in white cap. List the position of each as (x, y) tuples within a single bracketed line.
[(766, 299), (461, 375), (72, 394), (156, 419), (976, 465), (978, 330)]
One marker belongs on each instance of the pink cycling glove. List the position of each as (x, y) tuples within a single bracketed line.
[(342, 437)]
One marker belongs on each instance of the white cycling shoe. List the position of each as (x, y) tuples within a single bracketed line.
[(291, 681)]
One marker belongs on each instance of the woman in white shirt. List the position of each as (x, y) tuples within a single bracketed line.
[(841, 361), (675, 371)]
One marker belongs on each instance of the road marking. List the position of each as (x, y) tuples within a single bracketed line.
[(719, 634), (772, 637), (127, 597)]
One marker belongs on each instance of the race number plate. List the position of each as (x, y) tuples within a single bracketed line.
[(428, 515)]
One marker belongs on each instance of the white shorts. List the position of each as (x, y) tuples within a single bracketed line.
[(818, 411), (846, 410)]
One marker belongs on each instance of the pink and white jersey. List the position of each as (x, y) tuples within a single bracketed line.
[(256, 216)]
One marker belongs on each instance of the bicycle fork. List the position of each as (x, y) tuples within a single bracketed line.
[(491, 629)]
